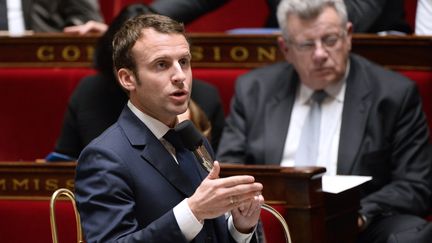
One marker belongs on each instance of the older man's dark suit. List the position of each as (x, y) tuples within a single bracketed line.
[(127, 185), (384, 133)]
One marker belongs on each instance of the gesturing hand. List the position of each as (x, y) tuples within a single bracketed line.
[(216, 196), (246, 215)]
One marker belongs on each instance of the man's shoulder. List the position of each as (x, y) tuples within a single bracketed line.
[(378, 73), (111, 137)]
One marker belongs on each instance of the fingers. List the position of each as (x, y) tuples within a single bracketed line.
[(246, 216), (252, 206), (236, 180), (243, 201), (90, 26), (214, 173)]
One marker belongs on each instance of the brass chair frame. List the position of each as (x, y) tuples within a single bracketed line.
[(281, 220), (69, 194)]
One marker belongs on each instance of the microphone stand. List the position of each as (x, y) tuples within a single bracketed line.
[(192, 140)]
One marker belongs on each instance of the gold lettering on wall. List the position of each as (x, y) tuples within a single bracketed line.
[(197, 53), (36, 184), (70, 184), (235, 54), (3, 184), (51, 184), (239, 53), (71, 53), (90, 52), (266, 54), (33, 185), (216, 53), (45, 53), (20, 184)]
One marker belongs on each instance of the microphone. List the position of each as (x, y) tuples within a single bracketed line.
[(193, 140)]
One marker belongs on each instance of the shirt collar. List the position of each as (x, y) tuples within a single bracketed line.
[(156, 127)]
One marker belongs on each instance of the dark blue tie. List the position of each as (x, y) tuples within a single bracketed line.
[(185, 158)]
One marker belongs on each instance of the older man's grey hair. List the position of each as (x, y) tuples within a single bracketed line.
[(306, 10)]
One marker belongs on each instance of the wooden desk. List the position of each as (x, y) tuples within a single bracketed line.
[(311, 214), (212, 50)]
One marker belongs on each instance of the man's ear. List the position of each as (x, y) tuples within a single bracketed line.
[(349, 31), (126, 79), (283, 46)]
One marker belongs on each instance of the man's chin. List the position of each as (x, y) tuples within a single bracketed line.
[(180, 109)]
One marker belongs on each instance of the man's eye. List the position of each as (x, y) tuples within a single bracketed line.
[(306, 45), (184, 62), (161, 65), (330, 40)]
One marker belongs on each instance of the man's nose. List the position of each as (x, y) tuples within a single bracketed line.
[(320, 53), (179, 74)]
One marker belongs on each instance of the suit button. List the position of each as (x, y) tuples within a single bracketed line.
[(209, 239)]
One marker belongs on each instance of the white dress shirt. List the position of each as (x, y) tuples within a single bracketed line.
[(189, 225), (331, 120), (423, 24), (15, 17)]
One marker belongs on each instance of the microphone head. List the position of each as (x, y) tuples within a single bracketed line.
[(189, 135)]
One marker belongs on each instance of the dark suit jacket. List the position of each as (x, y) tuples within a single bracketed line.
[(384, 133), (367, 15), (98, 101), (127, 184), (54, 15)]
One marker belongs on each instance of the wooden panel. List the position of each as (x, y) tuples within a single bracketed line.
[(212, 50), (311, 214), (30, 180)]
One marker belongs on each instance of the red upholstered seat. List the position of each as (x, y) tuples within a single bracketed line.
[(33, 101), (223, 79), (423, 79), (272, 228), (28, 221)]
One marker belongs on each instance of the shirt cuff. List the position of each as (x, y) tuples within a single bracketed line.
[(188, 223), (238, 236)]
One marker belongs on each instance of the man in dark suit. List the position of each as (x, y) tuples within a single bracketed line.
[(131, 184), (371, 121), (369, 16), (98, 100), (54, 16)]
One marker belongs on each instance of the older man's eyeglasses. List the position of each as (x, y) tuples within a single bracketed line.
[(328, 42)]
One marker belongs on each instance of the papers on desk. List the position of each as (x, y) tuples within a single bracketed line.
[(339, 183)]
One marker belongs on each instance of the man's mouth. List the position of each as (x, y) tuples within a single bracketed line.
[(179, 93)]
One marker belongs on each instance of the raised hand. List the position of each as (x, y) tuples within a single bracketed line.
[(216, 196)]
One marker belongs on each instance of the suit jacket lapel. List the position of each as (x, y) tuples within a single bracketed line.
[(158, 156), (277, 117), (153, 151), (354, 117)]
